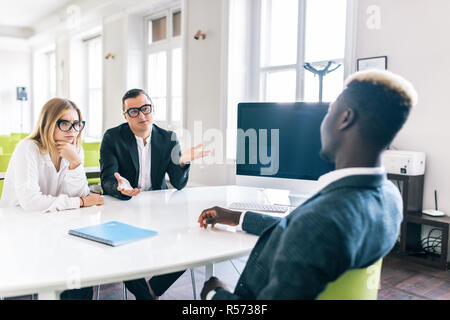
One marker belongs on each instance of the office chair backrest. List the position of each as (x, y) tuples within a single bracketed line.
[(356, 284), (91, 158), (91, 145), (4, 161)]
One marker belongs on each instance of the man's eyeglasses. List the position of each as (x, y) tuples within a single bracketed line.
[(66, 126), (134, 112)]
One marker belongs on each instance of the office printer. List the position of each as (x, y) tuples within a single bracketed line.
[(408, 163)]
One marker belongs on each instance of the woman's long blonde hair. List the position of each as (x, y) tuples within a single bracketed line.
[(51, 112)]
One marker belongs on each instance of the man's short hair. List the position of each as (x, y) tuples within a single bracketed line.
[(133, 93), (382, 102)]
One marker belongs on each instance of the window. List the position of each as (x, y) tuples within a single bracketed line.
[(294, 32), (44, 79), (51, 71), (273, 39), (164, 61), (94, 114)]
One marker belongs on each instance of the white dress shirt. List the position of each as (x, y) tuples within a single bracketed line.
[(32, 181), (145, 157)]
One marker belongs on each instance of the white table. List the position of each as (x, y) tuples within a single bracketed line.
[(39, 256), (94, 171)]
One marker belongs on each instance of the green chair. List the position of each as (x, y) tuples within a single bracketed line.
[(7, 143), (4, 161), (91, 145), (19, 136), (356, 284), (92, 159), (14, 140)]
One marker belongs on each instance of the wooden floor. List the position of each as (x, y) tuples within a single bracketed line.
[(400, 280)]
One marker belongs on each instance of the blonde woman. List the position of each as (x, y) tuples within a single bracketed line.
[(46, 171)]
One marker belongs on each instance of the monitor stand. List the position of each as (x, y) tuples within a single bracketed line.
[(298, 189)]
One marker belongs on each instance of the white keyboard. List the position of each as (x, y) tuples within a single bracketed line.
[(254, 206)]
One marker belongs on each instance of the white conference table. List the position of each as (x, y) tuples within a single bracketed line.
[(39, 256), (95, 171)]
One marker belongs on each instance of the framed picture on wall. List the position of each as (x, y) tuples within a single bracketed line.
[(372, 63)]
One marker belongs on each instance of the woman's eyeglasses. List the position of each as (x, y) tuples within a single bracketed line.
[(134, 112), (66, 126)]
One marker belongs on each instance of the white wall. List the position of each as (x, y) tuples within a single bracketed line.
[(15, 70), (414, 36), (204, 84), (114, 70)]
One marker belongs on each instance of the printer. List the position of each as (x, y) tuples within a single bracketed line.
[(408, 163)]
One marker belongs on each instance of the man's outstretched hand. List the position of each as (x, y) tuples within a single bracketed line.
[(124, 186), (219, 215)]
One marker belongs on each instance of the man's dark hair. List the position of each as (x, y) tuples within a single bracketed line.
[(133, 93), (382, 102)]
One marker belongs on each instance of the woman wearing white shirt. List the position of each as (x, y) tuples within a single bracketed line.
[(46, 171)]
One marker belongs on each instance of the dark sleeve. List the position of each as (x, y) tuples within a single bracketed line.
[(178, 176), (222, 294), (310, 253), (109, 164), (256, 223)]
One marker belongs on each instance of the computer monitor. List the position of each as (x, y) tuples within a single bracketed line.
[(278, 145)]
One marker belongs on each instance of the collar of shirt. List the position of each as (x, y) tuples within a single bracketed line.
[(48, 161), (140, 141), (335, 175)]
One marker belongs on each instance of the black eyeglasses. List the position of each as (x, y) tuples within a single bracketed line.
[(134, 112), (66, 126)]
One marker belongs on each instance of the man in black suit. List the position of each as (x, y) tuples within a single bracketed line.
[(135, 156)]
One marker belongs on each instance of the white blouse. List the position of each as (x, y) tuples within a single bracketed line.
[(32, 181)]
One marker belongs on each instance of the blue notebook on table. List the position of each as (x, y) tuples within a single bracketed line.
[(113, 233)]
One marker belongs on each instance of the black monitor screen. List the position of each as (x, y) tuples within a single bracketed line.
[(281, 140)]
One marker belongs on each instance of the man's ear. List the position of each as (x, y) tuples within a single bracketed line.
[(347, 119)]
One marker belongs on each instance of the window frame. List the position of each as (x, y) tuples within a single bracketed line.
[(258, 76), (256, 85), (87, 87), (51, 72), (167, 45)]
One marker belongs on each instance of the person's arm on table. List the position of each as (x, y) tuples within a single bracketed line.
[(251, 222)]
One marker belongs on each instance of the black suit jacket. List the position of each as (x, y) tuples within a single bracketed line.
[(119, 153)]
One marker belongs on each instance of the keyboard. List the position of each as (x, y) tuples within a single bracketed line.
[(255, 206)]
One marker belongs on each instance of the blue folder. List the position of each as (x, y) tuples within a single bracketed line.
[(113, 233)]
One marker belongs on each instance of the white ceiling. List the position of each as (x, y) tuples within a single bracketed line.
[(25, 13)]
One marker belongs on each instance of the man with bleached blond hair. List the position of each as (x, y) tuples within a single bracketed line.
[(352, 222)]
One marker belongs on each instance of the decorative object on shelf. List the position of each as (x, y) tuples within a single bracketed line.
[(372, 63), (199, 35), (110, 56), (321, 73)]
